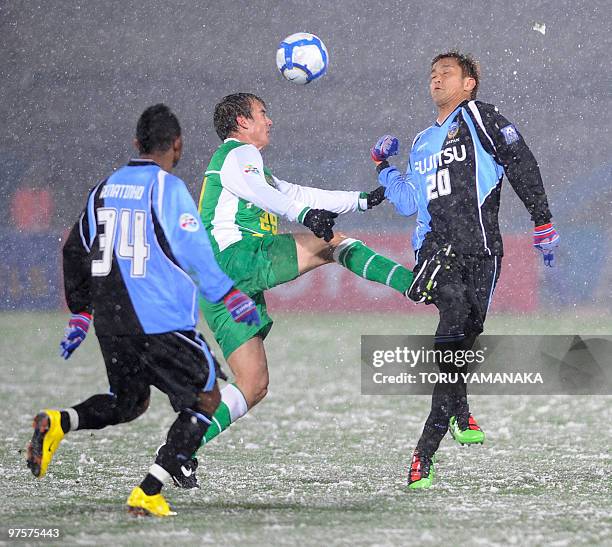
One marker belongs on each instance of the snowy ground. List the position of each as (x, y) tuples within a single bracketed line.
[(316, 463)]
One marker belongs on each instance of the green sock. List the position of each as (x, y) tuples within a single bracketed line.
[(366, 263), (231, 407)]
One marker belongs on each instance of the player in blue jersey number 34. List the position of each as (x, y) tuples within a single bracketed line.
[(453, 185), (135, 259)]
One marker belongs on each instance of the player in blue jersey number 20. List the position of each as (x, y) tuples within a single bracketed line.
[(453, 184), (135, 259)]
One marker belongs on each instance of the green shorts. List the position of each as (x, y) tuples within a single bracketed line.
[(255, 264)]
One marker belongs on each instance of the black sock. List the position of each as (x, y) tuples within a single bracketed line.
[(65, 421), (150, 485), (97, 412)]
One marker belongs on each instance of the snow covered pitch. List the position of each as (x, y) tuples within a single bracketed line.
[(316, 463)]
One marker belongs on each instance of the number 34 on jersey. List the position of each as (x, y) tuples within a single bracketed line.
[(131, 221)]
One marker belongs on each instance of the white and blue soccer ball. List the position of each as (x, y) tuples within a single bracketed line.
[(302, 58)]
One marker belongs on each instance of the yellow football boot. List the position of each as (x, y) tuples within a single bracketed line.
[(140, 505), (48, 433)]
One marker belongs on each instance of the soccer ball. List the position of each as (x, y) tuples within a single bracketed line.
[(302, 58)]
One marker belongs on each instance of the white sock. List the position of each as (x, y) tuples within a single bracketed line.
[(74, 418), (343, 245), (159, 473), (235, 401)]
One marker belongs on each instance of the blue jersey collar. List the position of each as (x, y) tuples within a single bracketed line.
[(459, 106)]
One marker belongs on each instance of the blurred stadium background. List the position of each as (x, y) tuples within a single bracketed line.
[(76, 76)]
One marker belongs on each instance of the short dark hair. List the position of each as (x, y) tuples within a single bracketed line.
[(469, 66), (230, 107), (157, 129)]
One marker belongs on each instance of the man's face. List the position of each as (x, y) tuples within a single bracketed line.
[(447, 84), (257, 128)]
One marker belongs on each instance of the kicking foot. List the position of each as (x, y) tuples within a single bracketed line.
[(424, 282)]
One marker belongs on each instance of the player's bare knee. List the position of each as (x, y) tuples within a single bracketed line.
[(328, 249)]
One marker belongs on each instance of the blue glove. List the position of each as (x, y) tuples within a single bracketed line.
[(546, 240), (75, 333), (384, 148), (241, 308)]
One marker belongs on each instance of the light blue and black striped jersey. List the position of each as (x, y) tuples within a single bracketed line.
[(454, 175), (138, 254)]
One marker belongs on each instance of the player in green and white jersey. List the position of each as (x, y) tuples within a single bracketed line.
[(240, 204)]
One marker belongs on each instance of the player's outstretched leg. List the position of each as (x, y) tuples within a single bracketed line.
[(367, 263), (97, 412), (418, 286)]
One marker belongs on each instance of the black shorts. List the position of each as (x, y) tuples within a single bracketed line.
[(463, 297), (178, 363)]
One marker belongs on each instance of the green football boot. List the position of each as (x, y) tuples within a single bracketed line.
[(421, 472), (470, 435)]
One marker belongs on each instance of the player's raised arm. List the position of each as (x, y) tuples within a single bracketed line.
[(399, 189)]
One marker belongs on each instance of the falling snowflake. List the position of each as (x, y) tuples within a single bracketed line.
[(539, 27)]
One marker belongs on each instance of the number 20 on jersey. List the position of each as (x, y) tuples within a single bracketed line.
[(438, 184)]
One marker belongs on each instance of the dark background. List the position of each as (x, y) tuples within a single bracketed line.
[(76, 76)]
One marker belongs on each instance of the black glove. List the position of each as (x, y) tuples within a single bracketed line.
[(376, 197), (320, 222)]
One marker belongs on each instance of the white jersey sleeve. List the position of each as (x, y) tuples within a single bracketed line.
[(243, 175), (336, 201)]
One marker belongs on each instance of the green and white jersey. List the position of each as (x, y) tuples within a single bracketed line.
[(240, 198)]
